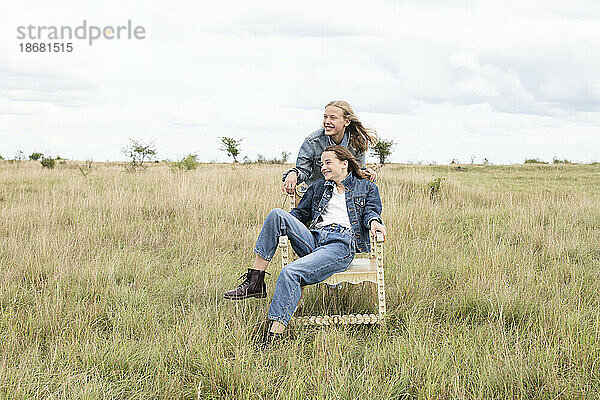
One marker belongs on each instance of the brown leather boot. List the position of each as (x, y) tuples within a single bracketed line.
[(252, 286), (270, 340)]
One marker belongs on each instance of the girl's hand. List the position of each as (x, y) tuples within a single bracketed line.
[(289, 185), (371, 174), (377, 227)]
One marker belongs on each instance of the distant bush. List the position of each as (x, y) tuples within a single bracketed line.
[(557, 161), (47, 162), (187, 163), (35, 156), (534, 161), (434, 187), (85, 168), (260, 159)]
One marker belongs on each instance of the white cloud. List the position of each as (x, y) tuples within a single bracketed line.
[(446, 80)]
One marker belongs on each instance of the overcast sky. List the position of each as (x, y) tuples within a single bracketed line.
[(504, 80)]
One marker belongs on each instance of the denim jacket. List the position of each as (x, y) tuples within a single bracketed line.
[(308, 163), (362, 202)]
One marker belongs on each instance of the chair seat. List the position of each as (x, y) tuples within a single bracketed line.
[(361, 270)]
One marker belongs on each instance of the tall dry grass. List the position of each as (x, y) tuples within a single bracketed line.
[(111, 287)]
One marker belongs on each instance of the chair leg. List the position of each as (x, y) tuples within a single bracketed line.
[(283, 245), (380, 283), (381, 301)]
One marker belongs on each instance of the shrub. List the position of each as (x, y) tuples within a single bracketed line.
[(534, 161), (47, 162), (35, 156), (557, 161), (434, 187), (86, 168), (260, 159), (187, 163)]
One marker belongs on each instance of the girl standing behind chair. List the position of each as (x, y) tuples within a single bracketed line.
[(341, 127)]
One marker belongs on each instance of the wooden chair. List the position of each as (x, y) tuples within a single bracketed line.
[(364, 268)]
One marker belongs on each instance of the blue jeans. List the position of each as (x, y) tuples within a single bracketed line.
[(322, 252)]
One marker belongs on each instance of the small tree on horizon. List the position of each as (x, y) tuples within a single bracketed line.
[(231, 147), (35, 156), (382, 150), (138, 152)]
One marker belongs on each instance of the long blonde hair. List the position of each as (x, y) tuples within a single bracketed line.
[(360, 136)]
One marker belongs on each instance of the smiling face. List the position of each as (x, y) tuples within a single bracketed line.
[(332, 168), (334, 121)]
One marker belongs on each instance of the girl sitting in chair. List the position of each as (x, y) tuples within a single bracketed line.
[(339, 211)]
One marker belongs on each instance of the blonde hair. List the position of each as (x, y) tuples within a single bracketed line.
[(360, 136)]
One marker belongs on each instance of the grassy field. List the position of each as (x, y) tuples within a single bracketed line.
[(111, 287)]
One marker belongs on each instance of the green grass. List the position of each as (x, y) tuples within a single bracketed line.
[(111, 287)]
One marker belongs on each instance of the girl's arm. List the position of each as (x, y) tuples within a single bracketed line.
[(304, 161), (372, 207), (303, 168), (303, 210)]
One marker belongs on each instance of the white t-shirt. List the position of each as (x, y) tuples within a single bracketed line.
[(336, 211)]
